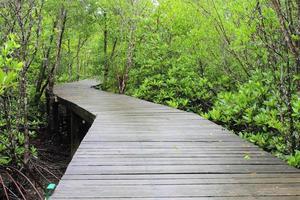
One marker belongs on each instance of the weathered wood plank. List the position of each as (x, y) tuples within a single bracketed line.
[(120, 182), (196, 198), (160, 191), (180, 169), (174, 161), (228, 177)]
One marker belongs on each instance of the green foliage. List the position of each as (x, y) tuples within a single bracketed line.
[(9, 67), (266, 141), (254, 106), (260, 139), (178, 88), (247, 157), (11, 146), (294, 160)]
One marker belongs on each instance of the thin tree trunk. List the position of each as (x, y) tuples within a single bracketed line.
[(70, 64), (24, 114), (77, 59), (113, 50), (44, 67), (80, 44), (63, 18), (105, 38), (129, 63), (285, 29)]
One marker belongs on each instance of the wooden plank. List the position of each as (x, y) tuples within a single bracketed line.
[(159, 145), (215, 181), (168, 151), (229, 177), (175, 161), (193, 198), (181, 169), (160, 191)]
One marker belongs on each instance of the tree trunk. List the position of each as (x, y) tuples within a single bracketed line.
[(24, 114), (70, 63), (77, 59), (106, 67), (44, 67), (63, 18), (129, 63)]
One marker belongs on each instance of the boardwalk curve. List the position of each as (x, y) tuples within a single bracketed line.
[(144, 151)]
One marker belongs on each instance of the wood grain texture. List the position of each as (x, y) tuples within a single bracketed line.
[(144, 151)]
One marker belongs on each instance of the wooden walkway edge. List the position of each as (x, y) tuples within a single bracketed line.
[(144, 151)]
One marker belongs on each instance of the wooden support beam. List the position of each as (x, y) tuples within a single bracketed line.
[(74, 131)]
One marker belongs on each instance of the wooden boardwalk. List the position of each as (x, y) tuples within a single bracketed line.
[(144, 151)]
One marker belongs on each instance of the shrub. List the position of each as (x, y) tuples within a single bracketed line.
[(179, 88)]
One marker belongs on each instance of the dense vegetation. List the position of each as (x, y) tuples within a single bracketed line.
[(234, 62)]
